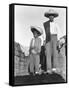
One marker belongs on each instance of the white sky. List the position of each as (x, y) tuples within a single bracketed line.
[(26, 16)]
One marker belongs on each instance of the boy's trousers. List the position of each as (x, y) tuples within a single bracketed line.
[(51, 50), (34, 63)]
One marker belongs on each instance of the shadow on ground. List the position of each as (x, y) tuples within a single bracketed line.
[(39, 79)]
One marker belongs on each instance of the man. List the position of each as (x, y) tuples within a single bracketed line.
[(52, 36)]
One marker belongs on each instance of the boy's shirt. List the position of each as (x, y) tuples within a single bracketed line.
[(35, 45)]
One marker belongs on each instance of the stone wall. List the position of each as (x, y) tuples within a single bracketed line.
[(20, 62), (62, 61)]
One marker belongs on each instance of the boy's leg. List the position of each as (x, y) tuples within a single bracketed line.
[(37, 61), (31, 63)]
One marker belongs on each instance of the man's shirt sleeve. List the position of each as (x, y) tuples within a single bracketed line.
[(59, 34)]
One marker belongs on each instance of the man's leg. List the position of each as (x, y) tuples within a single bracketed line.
[(48, 56), (55, 52)]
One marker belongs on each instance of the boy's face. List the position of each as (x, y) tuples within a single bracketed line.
[(35, 34), (51, 18)]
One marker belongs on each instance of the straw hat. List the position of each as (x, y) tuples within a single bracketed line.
[(38, 29), (51, 12)]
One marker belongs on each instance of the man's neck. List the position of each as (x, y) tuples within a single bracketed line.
[(35, 37), (51, 20)]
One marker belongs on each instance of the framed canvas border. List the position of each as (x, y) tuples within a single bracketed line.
[(11, 41)]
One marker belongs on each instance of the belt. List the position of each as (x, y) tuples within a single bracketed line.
[(54, 34)]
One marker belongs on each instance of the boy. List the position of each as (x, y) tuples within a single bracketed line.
[(35, 48)]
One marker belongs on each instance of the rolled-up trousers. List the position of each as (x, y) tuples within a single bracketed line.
[(34, 63), (51, 51)]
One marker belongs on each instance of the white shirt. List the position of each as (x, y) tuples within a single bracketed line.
[(54, 29), (36, 45), (33, 41)]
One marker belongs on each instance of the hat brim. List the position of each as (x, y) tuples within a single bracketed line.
[(34, 29), (51, 14)]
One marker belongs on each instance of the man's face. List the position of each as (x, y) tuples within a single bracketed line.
[(51, 18), (35, 34)]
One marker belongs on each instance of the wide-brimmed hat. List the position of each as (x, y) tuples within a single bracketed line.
[(37, 29), (51, 12)]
